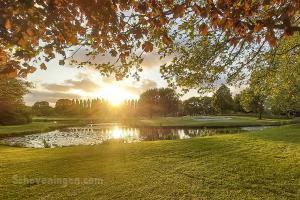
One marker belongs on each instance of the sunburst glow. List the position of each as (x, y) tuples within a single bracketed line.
[(115, 95)]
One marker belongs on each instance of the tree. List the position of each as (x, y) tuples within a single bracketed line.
[(198, 106), (34, 29), (253, 101), (64, 107), (237, 107), (42, 108), (168, 101), (277, 78), (191, 106), (148, 102), (222, 100), (12, 108), (163, 101), (207, 107)]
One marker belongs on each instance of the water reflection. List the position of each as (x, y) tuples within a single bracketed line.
[(103, 133)]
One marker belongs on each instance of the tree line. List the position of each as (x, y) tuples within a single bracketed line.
[(80, 107), (256, 98), (166, 102)]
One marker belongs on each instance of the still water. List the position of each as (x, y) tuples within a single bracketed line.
[(105, 133)]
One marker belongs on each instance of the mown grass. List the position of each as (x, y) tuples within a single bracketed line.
[(34, 127), (234, 121), (257, 165)]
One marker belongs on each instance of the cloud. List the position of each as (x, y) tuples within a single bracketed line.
[(56, 87), (51, 97), (153, 60), (85, 85), (150, 59), (108, 80), (144, 85)]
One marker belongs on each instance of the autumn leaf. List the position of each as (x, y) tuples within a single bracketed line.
[(178, 11), (7, 24), (233, 41), (12, 73), (31, 69), (257, 27), (162, 20), (166, 40), (61, 62), (30, 32), (196, 9), (249, 38), (271, 39), (258, 39), (23, 43), (43, 66), (148, 46), (203, 29)]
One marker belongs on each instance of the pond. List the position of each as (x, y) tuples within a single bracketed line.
[(106, 133)]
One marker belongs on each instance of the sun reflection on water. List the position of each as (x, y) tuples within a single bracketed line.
[(116, 133)]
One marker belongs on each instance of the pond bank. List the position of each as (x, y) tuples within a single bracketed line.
[(34, 127)]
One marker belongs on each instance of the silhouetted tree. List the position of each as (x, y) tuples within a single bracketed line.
[(64, 107), (163, 101), (42, 108)]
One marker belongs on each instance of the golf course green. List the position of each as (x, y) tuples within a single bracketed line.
[(253, 165)]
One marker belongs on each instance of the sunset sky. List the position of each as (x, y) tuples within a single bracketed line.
[(71, 82), (81, 83)]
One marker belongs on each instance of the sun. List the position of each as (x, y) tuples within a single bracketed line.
[(114, 95), (115, 101)]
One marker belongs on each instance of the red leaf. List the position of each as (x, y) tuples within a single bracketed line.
[(178, 11), (148, 46), (203, 29)]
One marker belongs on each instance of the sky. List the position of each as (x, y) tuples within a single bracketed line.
[(85, 83), (71, 82)]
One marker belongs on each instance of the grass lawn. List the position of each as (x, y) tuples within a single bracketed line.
[(34, 127), (257, 165), (234, 121)]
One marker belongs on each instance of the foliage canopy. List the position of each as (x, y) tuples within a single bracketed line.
[(33, 32)]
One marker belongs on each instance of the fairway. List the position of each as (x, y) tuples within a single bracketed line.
[(257, 165)]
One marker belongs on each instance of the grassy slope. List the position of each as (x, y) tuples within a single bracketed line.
[(189, 121), (262, 165), (34, 127)]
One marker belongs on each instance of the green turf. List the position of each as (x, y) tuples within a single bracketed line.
[(235, 121), (258, 165), (34, 127)]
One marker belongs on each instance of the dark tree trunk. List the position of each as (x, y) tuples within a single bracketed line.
[(260, 115)]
